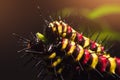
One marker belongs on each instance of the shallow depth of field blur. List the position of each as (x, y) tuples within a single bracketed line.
[(25, 16)]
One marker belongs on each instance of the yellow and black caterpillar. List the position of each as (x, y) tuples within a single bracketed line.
[(69, 55)]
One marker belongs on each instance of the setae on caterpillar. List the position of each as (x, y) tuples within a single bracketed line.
[(62, 55)]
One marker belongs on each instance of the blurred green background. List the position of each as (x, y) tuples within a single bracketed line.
[(95, 17)]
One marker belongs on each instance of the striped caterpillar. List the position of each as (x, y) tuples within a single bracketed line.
[(70, 52), (61, 29), (100, 62)]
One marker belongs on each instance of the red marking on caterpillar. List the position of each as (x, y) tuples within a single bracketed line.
[(87, 56)]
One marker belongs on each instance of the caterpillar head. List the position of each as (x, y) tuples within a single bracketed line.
[(34, 45)]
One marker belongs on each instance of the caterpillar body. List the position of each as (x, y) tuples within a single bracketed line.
[(101, 62), (70, 51), (61, 29), (77, 55)]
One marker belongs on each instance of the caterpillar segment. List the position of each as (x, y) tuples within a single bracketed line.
[(62, 29), (55, 63), (52, 56)]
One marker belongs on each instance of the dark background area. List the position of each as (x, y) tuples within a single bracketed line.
[(23, 17)]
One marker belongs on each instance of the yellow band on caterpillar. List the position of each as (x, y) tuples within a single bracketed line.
[(80, 53), (98, 47), (53, 55), (94, 61), (59, 27), (73, 35), (64, 44), (87, 42), (64, 34), (56, 62), (65, 27), (60, 70), (112, 65), (72, 48), (53, 27)]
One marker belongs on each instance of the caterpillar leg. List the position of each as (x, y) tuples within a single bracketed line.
[(55, 72), (58, 73)]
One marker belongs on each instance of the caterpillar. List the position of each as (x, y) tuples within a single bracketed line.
[(69, 54), (100, 62), (61, 29), (78, 52)]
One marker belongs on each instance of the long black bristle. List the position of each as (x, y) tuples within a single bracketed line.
[(21, 37)]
